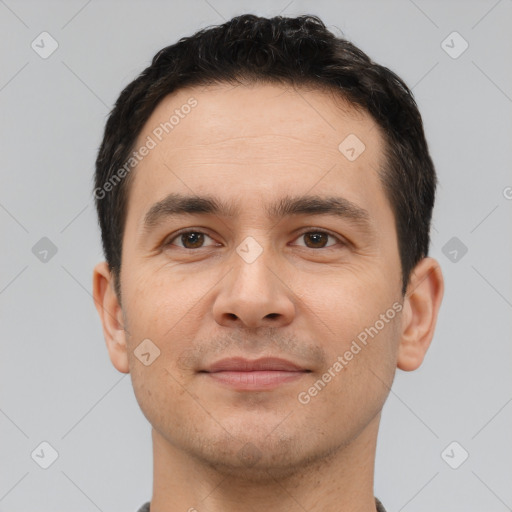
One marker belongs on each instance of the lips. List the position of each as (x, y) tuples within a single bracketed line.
[(240, 364), (264, 374)]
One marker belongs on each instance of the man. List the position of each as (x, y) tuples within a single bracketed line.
[(265, 192)]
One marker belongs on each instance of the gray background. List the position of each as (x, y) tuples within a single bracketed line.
[(56, 381)]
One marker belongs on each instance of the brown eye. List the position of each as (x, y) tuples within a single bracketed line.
[(194, 239), (189, 240), (318, 239)]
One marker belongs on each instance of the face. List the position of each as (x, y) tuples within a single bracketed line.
[(309, 283)]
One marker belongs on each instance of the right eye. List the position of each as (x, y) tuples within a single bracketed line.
[(190, 239)]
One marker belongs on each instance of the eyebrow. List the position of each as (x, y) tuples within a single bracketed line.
[(175, 205)]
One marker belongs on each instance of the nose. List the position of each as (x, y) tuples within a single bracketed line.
[(254, 295)]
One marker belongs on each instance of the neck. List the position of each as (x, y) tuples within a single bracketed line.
[(341, 481)]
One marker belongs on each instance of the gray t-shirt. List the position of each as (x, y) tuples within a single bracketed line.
[(379, 505)]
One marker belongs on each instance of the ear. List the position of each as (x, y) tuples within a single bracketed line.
[(421, 306), (111, 315)]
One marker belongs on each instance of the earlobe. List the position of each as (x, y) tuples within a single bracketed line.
[(111, 316), (421, 306)]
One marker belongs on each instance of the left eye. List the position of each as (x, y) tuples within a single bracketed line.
[(196, 239), (318, 239)]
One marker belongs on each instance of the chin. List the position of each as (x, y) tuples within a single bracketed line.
[(259, 455)]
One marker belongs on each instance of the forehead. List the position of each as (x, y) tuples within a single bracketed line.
[(223, 112), (254, 142)]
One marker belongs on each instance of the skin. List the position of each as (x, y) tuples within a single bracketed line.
[(215, 448)]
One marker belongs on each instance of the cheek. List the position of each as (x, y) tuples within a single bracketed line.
[(346, 396), (346, 299), (159, 391), (160, 302), (169, 311), (355, 316), (161, 311)]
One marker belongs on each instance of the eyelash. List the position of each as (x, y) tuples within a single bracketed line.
[(309, 230)]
